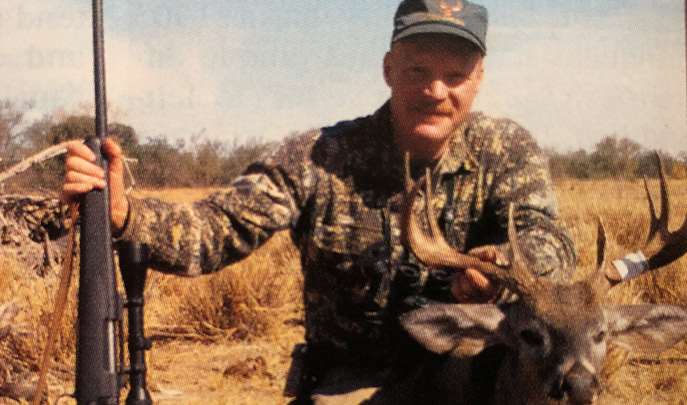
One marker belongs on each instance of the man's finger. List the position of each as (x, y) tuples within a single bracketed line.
[(72, 191), (76, 177), (111, 149), (83, 166), (483, 252), (78, 148), (465, 290), (119, 203), (490, 253), (116, 169), (478, 280)]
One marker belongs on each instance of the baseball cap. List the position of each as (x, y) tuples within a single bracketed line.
[(462, 18)]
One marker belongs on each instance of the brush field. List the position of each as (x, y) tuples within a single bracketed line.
[(227, 338)]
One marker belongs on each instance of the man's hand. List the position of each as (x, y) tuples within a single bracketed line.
[(471, 285), (83, 175)]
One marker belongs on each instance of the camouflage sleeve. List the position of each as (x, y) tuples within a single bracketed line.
[(204, 236), (523, 178)]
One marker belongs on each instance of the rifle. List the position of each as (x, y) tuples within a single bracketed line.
[(98, 377)]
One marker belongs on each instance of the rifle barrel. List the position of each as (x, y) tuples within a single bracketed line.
[(99, 304), (99, 71)]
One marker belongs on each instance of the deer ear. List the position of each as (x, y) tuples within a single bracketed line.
[(647, 328), (463, 329)]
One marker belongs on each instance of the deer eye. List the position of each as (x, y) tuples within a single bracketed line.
[(599, 337), (531, 337)]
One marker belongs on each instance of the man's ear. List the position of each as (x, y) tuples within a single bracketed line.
[(387, 68), (647, 328), (482, 69), (464, 329), (479, 72)]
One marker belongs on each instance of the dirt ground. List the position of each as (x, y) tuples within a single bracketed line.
[(196, 372), (194, 369)]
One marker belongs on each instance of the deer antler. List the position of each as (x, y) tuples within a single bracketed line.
[(525, 280), (663, 246), (604, 277), (673, 244), (434, 251)]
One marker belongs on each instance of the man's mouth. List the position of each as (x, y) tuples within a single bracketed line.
[(431, 112), (432, 115)]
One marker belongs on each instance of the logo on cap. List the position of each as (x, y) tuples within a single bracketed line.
[(461, 18), (448, 10)]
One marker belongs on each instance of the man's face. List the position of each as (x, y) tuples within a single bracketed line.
[(434, 80)]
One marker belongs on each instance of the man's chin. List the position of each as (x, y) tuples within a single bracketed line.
[(431, 132)]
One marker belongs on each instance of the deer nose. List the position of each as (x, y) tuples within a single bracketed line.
[(580, 385), (556, 391)]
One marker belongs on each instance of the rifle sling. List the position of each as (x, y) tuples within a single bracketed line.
[(60, 303)]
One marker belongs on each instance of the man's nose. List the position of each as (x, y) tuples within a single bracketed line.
[(436, 89)]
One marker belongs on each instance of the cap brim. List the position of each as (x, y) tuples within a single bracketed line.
[(439, 28)]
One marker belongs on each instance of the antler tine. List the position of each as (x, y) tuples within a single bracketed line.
[(659, 223), (600, 244), (673, 244), (653, 225), (524, 279), (433, 250), (407, 180), (665, 204), (429, 210), (605, 276)]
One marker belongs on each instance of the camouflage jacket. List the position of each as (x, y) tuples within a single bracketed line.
[(338, 189)]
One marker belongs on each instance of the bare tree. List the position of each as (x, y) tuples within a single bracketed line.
[(11, 118)]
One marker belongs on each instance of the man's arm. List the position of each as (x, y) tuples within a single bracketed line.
[(191, 239), (523, 179)]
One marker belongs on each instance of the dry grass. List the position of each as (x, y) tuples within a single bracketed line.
[(19, 352), (199, 322), (237, 301)]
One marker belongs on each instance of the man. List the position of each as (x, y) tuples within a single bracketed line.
[(339, 190)]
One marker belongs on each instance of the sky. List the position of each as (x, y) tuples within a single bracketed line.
[(570, 72)]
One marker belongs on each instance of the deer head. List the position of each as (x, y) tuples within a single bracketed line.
[(557, 333)]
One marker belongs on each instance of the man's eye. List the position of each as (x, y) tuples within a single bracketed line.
[(456, 78), (599, 337), (417, 72)]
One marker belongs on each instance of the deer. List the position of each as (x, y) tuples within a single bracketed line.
[(556, 334)]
